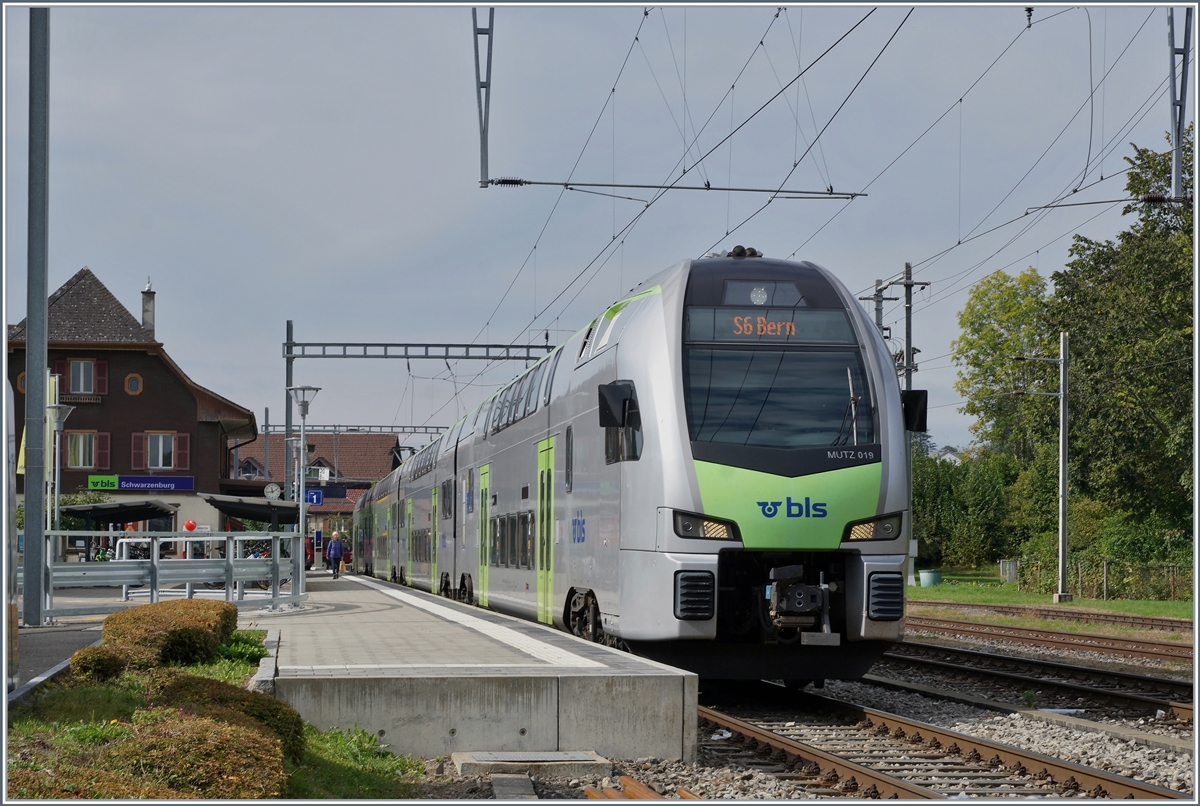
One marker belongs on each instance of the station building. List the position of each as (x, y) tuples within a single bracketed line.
[(141, 428)]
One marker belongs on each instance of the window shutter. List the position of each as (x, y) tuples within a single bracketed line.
[(101, 378), (137, 457), (60, 369), (102, 449), (183, 451)]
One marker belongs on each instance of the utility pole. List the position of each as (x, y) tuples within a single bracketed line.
[(1178, 99), (483, 90), (287, 418), (1062, 595), (37, 355), (909, 366), (879, 299)]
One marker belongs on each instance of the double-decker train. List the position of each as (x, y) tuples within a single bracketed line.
[(712, 473)]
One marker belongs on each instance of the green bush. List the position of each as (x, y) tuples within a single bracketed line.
[(199, 755), (182, 631), (202, 695), (99, 663), (98, 732)]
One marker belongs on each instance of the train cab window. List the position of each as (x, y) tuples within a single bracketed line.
[(513, 538), (570, 458)]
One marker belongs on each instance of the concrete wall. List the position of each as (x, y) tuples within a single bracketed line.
[(618, 716)]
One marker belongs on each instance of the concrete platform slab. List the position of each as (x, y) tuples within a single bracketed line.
[(512, 787), (429, 677), (562, 764)]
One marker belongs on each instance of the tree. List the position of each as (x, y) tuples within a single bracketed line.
[(1004, 317), (1128, 307)]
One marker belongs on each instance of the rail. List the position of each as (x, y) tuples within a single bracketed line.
[(161, 577), (1058, 639)]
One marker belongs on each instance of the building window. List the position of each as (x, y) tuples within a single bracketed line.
[(160, 451), (83, 375), (21, 383), (133, 384), (81, 450)]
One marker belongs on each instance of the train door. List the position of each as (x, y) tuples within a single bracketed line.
[(485, 541), (434, 582), (545, 532)]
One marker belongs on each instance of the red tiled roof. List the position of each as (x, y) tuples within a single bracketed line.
[(355, 456)]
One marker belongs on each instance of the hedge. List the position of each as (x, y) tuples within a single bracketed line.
[(181, 631), (199, 755), (203, 696)]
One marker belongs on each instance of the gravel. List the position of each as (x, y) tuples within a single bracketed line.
[(1153, 765)]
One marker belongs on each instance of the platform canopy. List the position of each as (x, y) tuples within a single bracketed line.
[(124, 511), (255, 509)]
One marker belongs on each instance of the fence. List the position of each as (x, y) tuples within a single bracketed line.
[(155, 578), (1110, 579)]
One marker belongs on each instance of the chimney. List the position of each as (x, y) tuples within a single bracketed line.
[(148, 308)]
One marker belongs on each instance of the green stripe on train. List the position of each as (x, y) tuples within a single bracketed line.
[(776, 512)]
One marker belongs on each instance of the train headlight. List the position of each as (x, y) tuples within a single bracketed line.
[(885, 528), (698, 526)]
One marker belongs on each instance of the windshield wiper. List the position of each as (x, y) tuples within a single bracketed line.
[(851, 414)]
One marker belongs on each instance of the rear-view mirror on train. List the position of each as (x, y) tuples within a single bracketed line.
[(614, 404)]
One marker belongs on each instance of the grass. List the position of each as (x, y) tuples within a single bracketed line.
[(67, 726), (983, 586), (351, 764)]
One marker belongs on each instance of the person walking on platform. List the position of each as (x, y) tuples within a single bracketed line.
[(335, 552)]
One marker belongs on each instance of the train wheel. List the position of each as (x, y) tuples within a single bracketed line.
[(402, 581), (593, 627), (444, 586), (470, 591), (393, 573)]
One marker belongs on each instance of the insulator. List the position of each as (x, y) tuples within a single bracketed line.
[(508, 181)]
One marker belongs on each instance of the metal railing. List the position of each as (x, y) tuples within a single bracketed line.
[(161, 577)]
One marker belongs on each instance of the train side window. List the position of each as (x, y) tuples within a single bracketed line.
[(513, 536), (502, 538), (492, 536), (535, 385), (624, 444), (550, 376), (469, 491), (570, 458), (587, 339)]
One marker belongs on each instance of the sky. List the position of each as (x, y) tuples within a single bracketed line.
[(322, 164)]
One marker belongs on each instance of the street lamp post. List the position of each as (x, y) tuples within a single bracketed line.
[(1062, 595), (58, 415), (303, 395)]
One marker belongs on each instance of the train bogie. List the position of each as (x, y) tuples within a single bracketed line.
[(712, 472)]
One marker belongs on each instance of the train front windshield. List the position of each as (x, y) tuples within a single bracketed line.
[(795, 398)]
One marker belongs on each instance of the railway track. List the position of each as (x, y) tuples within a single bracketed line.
[(1129, 647), (633, 789), (849, 750), (1067, 614), (1139, 694)]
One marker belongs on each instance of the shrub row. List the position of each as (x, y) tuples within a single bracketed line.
[(197, 737)]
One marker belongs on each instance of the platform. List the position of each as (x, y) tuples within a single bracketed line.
[(430, 677)]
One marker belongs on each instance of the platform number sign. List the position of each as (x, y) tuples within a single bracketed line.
[(314, 497)]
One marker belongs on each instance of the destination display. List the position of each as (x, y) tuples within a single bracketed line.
[(801, 325)]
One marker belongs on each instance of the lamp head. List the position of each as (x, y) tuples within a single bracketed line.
[(58, 414), (303, 395)]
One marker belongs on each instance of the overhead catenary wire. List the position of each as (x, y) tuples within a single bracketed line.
[(817, 139)]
